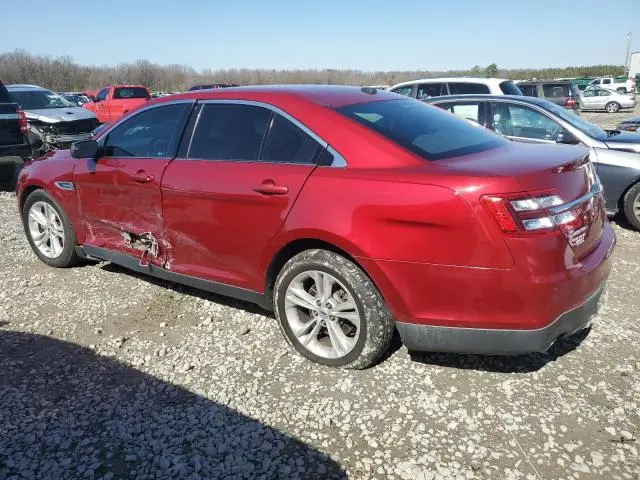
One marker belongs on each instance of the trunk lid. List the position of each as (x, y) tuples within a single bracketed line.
[(543, 170)]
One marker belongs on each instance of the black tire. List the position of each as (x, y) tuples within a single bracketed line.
[(622, 91), (68, 257), (631, 214), (612, 107), (377, 325)]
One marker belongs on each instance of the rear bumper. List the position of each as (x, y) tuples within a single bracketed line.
[(498, 341)]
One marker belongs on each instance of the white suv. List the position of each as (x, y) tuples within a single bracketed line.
[(435, 87)]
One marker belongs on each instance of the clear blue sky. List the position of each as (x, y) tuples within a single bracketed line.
[(361, 34)]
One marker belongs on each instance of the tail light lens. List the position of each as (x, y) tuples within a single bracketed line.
[(570, 102), (23, 120), (522, 214)]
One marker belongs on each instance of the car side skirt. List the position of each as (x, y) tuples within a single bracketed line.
[(97, 253), (431, 338)]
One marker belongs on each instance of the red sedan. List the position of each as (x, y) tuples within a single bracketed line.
[(350, 212)]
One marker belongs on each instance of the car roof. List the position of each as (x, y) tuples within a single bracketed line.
[(483, 80), (24, 87), (333, 96)]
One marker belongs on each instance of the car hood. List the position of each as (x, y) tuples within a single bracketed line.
[(629, 141), (55, 115)]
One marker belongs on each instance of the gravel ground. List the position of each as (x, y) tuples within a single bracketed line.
[(106, 374)]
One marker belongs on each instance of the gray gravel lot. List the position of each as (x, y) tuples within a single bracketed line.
[(106, 374)]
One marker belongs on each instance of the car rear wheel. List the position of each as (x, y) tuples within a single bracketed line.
[(612, 107), (631, 206), (331, 312), (48, 230)]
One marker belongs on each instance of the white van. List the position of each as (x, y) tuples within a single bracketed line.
[(436, 87)]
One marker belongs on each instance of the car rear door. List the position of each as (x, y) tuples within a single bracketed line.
[(119, 192), (229, 191)]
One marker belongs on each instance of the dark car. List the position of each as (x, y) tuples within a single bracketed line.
[(560, 92), (207, 86), (14, 147), (630, 124), (351, 212), (616, 154)]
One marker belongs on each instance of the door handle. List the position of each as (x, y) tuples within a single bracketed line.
[(268, 187), (142, 177)]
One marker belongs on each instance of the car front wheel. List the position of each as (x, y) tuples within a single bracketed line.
[(612, 107), (331, 312), (48, 230)]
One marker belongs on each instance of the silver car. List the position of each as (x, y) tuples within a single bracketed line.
[(595, 98), (54, 123), (615, 154)]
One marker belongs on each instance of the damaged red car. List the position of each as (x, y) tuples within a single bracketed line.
[(352, 213)]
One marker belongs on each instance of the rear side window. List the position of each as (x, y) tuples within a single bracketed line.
[(606, 81), (468, 110), (287, 143), (556, 90), (425, 130), (460, 88), (427, 90), (509, 88), (229, 132), (151, 133), (123, 93), (4, 94)]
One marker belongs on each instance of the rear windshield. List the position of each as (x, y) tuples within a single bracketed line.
[(130, 92), (428, 131), (509, 88), (556, 90)]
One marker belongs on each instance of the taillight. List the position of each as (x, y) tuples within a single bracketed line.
[(524, 214), (22, 121), (570, 102)]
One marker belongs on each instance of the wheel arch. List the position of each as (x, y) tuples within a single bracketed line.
[(296, 246)]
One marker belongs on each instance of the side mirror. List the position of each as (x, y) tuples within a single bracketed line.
[(567, 138), (85, 149)]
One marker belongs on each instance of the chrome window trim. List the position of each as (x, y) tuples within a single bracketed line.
[(339, 160)]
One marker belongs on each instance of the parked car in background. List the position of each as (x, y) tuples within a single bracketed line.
[(77, 98), (112, 102), (434, 87), (611, 83), (207, 86), (560, 92), (596, 98), (14, 147), (630, 124), (525, 119), (53, 122), (422, 215)]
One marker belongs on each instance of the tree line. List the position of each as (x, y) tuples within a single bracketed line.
[(63, 74)]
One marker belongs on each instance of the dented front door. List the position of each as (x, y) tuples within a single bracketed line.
[(120, 204)]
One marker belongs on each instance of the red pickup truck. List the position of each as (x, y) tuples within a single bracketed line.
[(114, 101)]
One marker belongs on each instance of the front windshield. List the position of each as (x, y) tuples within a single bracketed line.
[(39, 99), (580, 123)]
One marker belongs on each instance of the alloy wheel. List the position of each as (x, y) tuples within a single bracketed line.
[(46, 229), (322, 314)]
